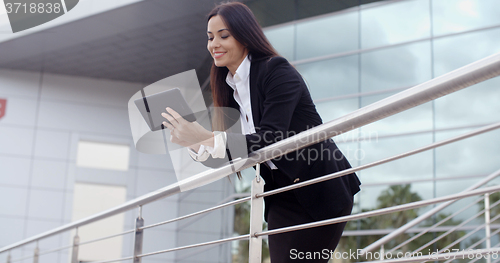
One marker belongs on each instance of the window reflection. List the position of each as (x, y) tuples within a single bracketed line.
[(452, 16), (476, 104), (472, 156), (330, 110), (395, 23), (325, 36), (396, 67), (282, 38), (454, 52), (408, 168), (331, 78)]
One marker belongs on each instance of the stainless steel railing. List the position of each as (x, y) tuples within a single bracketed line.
[(466, 76)]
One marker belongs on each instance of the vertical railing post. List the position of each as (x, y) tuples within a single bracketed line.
[(8, 257), (487, 223), (139, 236), (74, 252), (256, 218), (382, 252), (37, 252)]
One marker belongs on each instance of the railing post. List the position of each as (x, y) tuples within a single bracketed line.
[(487, 223), (382, 252), (139, 235), (256, 218), (37, 252), (8, 258), (74, 252)]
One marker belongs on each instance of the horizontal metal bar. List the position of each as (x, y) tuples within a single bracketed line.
[(415, 230), (112, 260), (382, 211), (435, 225), (469, 234), (106, 237), (55, 250), (239, 201), (450, 231), (468, 75), (247, 236), (183, 225), (427, 214), (376, 163)]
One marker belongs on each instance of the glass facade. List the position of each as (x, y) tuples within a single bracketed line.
[(358, 56)]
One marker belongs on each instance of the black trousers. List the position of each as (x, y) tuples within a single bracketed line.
[(308, 245)]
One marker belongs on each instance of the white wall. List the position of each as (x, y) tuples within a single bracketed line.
[(46, 116)]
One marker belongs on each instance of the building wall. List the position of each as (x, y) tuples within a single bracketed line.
[(46, 116)]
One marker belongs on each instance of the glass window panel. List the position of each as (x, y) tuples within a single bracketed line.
[(331, 78), (452, 16), (334, 109), (397, 67), (395, 23), (415, 119), (282, 38), (418, 166), (477, 104), (454, 52), (369, 195), (327, 35), (473, 156)]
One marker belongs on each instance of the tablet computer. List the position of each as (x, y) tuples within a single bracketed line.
[(152, 106)]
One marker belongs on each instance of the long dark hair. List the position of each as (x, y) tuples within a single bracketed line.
[(244, 27)]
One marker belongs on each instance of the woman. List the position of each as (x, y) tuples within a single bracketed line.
[(273, 102)]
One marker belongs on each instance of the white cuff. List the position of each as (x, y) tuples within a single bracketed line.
[(201, 155), (218, 151)]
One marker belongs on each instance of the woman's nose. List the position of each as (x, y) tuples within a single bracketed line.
[(215, 42)]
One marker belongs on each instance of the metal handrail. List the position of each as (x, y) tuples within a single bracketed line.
[(426, 215), (434, 226), (469, 234), (381, 211), (379, 162), (458, 79), (325, 222), (453, 229)]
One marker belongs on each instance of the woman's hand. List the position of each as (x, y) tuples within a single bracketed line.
[(185, 133)]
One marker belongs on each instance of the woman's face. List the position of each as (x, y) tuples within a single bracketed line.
[(224, 48)]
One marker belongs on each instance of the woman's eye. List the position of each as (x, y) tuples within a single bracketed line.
[(224, 37), (210, 38)]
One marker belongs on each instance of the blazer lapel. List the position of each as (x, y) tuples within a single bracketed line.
[(255, 93)]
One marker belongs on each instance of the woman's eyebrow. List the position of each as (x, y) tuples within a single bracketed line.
[(218, 30)]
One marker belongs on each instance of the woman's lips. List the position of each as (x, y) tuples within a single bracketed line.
[(218, 54)]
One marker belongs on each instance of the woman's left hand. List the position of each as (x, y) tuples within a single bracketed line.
[(185, 133)]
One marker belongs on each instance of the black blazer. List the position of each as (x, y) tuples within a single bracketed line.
[(281, 107)]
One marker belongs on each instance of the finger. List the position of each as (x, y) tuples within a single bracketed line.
[(169, 118), (176, 115), (168, 125)]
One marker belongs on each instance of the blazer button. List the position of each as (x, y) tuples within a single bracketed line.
[(296, 180)]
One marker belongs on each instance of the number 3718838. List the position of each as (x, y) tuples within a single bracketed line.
[(33, 8)]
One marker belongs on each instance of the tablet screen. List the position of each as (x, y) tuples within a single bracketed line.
[(152, 106)]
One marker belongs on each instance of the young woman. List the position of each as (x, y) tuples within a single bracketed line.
[(274, 102)]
